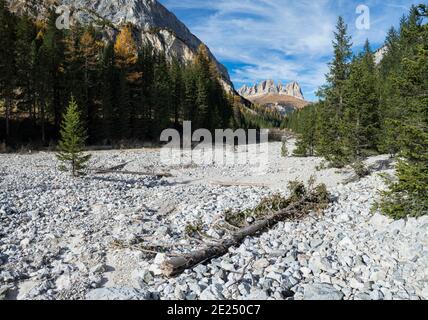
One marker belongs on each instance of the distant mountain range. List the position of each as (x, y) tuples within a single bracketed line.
[(282, 98), (269, 87)]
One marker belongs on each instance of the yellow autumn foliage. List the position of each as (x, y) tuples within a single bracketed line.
[(125, 48)]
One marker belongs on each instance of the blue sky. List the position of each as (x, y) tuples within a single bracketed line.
[(287, 40)]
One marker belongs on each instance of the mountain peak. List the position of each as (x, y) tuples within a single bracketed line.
[(155, 24), (267, 87)]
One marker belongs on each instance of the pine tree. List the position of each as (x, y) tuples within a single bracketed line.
[(91, 51), (7, 61), (305, 144), (388, 110), (190, 109), (25, 57), (361, 112), (108, 90), (203, 86), (331, 126), (126, 57), (51, 80), (178, 89), (72, 142), (145, 96), (125, 48), (408, 196), (162, 96)]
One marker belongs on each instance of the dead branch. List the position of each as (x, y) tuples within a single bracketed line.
[(238, 184), (242, 275), (115, 168), (137, 173), (119, 170), (174, 266)]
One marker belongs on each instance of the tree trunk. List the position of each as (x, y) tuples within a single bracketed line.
[(7, 105), (42, 115), (177, 265)]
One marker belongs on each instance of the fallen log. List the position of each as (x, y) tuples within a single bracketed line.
[(142, 173), (238, 184), (174, 266), (115, 168), (118, 169)]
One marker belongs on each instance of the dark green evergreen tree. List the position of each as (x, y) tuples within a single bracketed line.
[(408, 196), (331, 125), (25, 57), (108, 88), (7, 62), (361, 112), (72, 142), (306, 142), (51, 59)]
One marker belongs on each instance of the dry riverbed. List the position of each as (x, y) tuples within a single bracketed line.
[(64, 238)]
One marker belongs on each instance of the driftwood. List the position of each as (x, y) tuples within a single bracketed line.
[(118, 169), (115, 168), (142, 173), (238, 184), (174, 266)]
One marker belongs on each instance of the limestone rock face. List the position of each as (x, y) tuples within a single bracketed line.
[(379, 54), (155, 25), (268, 87)]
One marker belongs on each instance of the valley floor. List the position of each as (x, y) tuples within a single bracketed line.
[(64, 238)]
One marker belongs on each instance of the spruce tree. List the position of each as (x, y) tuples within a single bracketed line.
[(203, 86), (361, 111), (331, 126), (408, 195), (72, 142), (305, 144)]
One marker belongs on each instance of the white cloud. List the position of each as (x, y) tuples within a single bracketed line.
[(280, 39)]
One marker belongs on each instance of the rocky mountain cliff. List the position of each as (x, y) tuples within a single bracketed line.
[(269, 87), (155, 25), (379, 54), (281, 98)]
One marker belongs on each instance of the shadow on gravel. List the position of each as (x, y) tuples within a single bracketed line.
[(382, 165)]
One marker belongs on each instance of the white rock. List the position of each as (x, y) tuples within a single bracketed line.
[(347, 243), (321, 292), (63, 282), (325, 278), (261, 264), (355, 284), (25, 242), (118, 294), (380, 221), (257, 294), (397, 225)]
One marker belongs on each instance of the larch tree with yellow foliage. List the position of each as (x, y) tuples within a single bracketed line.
[(126, 57)]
